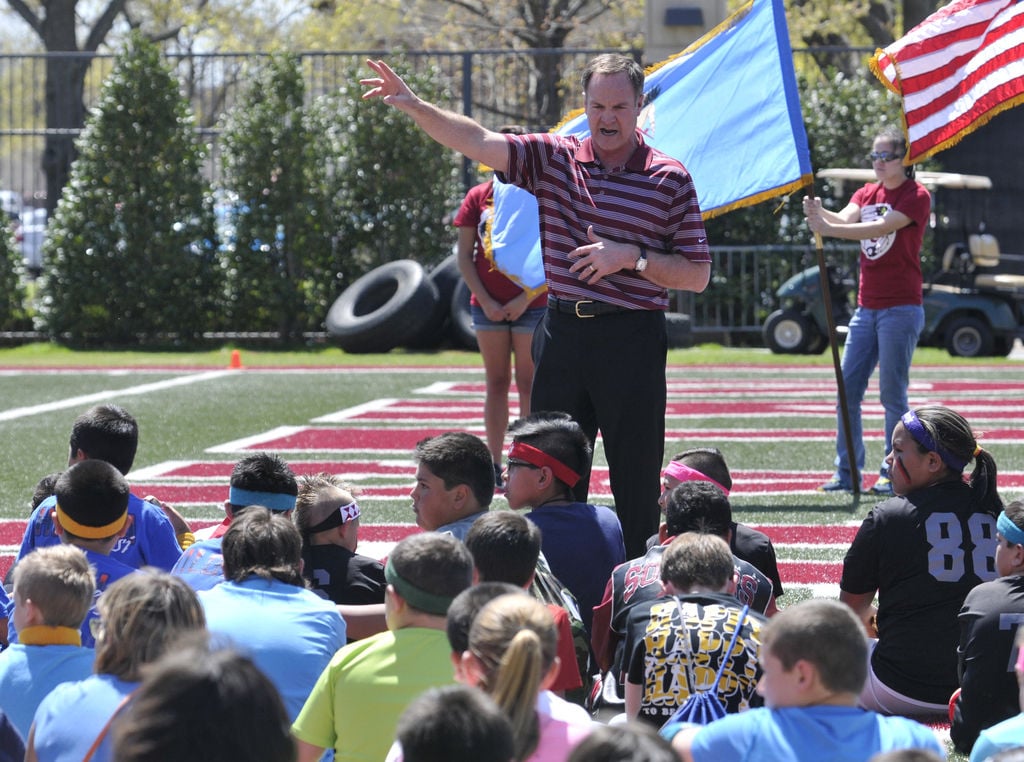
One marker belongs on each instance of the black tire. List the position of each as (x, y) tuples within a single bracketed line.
[(679, 328), (817, 344), (383, 309), (437, 326), (1002, 346), (462, 318), (969, 337), (787, 332)]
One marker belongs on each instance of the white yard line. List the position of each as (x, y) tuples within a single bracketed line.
[(85, 399)]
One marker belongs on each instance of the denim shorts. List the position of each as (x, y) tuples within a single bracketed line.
[(526, 323)]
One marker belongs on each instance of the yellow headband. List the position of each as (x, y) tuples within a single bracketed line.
[(88, 532)]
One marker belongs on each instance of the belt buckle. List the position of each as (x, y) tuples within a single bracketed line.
[(577, 306)]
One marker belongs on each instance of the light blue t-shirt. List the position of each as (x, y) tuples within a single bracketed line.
[(70, 719), (29, 673), (833, 733), (1003, 735), (291, 633), (202, 564)]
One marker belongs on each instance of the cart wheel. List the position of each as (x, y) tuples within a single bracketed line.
[(788, 332), (969, 337)]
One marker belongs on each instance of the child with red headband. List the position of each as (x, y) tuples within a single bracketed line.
[(582, 543)]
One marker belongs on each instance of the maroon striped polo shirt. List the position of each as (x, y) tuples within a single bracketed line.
[(651, 200)]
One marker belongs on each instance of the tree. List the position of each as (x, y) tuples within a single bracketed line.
[(280, 260), (55, 22), (130, 251), (393, 188), (12, 293)]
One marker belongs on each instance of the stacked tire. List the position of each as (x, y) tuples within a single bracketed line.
[(401, 304)]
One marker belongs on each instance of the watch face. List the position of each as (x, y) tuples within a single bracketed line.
[(641, 264)]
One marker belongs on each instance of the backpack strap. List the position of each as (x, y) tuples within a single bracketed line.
[(732, 643)]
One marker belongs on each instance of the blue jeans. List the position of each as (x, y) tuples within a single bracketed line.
[(884, 338)]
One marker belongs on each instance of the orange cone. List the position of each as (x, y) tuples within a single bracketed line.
[(236, 360)]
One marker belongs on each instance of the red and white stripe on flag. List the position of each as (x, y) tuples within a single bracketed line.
[(955, 70)]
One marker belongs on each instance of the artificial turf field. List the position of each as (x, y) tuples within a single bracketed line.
[(773, 419)]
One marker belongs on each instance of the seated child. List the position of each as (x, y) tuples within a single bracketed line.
[(815, 660), (53, 591), (327, 516), (91, 513), (582, 543)]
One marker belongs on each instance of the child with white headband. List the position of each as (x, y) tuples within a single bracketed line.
[(327, 515)]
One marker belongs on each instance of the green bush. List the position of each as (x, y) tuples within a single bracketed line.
[(12, 293), (394, 190), (131, 248), (279, 259)]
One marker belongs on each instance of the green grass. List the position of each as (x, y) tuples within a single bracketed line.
[(179, 423)]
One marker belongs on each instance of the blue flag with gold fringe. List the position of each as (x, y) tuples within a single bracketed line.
[(727, 107)]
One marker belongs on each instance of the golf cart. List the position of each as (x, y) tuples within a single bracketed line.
[(973, 303)]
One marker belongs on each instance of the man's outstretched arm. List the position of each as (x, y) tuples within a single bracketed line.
[(446, 127)]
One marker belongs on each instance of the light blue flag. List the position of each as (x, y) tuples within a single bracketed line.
[(727, 107), (512, 242)]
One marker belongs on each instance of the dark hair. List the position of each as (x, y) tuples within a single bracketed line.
[(695, 560), (825, 633), (953, 434), (1014, 511), (557, 435), (229, 709), (265, 543), (455, 458), (698, 507), (614, 63), (455, 722), (709, 461), (44, 489), (895, 136), (93, 493), (467, 605), (263, 472), (505, 547), (106, 432), (632, 741), (435, 563)]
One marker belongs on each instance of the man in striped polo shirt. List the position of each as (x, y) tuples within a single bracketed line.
[(619, 226)]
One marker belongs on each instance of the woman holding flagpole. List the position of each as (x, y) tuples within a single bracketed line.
[(888, 217), (504, 314)]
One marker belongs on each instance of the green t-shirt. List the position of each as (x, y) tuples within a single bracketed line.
[(355, 704)]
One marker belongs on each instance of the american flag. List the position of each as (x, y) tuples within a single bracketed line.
[(955, 70)]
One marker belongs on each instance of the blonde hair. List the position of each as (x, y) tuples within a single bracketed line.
[(515, 640), (60, 583), (141, 615)]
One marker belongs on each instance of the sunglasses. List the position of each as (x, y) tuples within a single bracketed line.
[(518, 464), (884, 156)]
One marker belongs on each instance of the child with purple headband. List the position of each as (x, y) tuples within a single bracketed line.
[(921, 551)]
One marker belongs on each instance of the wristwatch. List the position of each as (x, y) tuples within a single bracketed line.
[(641, 262)]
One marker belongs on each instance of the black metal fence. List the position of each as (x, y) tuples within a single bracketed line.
[(532, 88)]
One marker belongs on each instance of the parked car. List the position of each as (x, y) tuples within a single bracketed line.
[(33, 230), (974, 302)]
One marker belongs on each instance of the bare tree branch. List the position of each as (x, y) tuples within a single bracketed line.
[(28, 15)]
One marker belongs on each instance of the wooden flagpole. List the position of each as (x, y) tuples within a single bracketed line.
[(830, 320)]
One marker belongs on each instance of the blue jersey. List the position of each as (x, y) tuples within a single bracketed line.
[(202, 564), (148, 540)]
